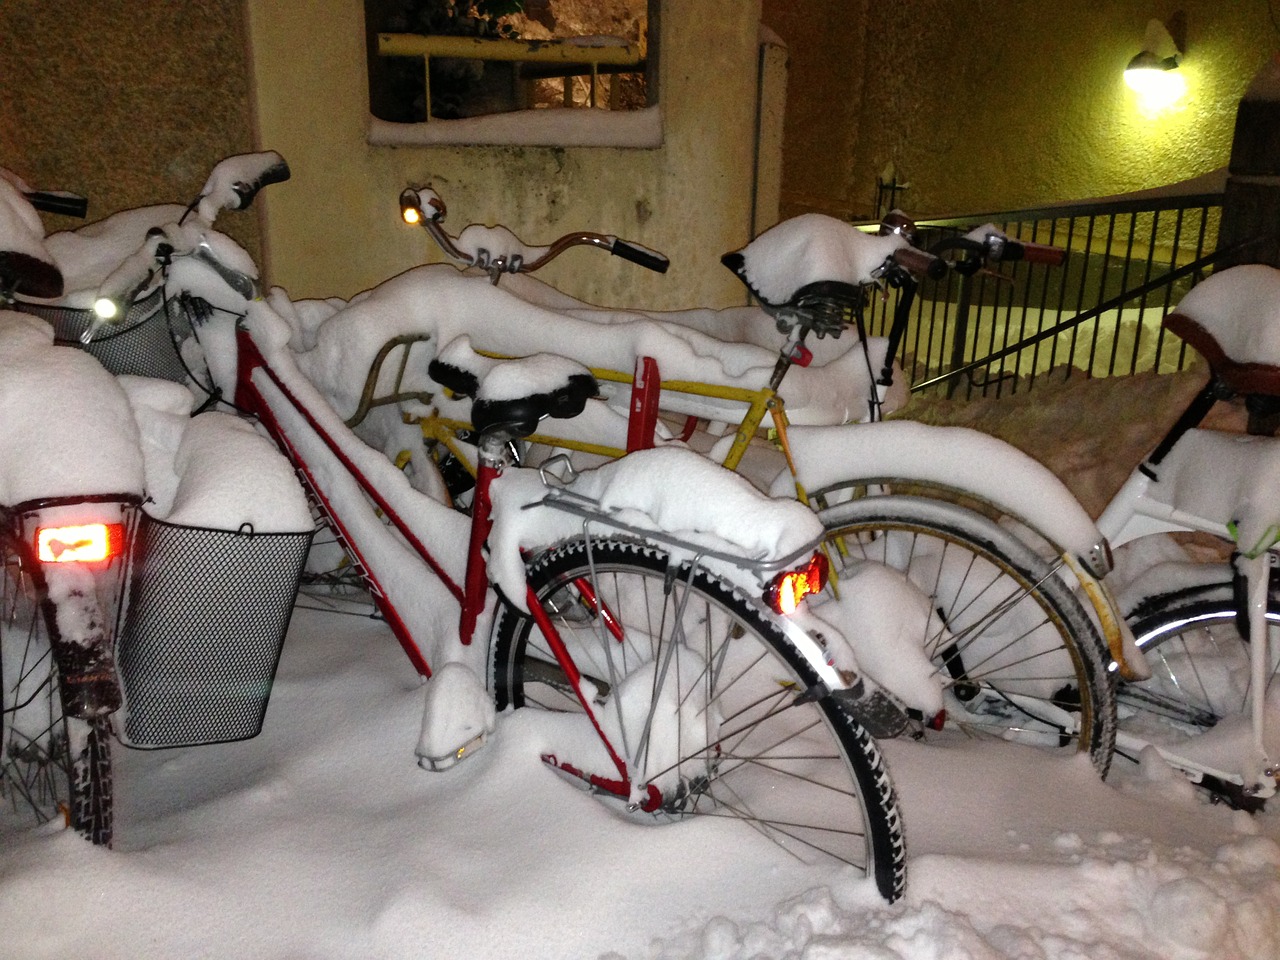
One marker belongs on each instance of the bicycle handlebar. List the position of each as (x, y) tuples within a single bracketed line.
[(995, 247), (57, 201), (649, 259), (1034, 253), (920, 263), (424, 206), (232, 185), (235, 181)]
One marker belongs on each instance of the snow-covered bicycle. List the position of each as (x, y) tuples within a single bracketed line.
[(70, 485), (629, 600), (1007, 630), (1014, 648), (1209, 708)]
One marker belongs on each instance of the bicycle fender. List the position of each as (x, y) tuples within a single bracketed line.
[(957, 458)]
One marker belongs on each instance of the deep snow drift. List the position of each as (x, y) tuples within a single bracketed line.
[(323, 839)]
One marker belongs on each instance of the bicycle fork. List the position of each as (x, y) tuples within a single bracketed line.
[(1260, 772), (492, 459)]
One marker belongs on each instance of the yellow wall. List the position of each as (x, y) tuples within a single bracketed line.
[(130, 103), (996, 104), (334, 229)]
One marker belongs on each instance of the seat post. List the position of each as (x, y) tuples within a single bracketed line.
[(492, 460), (1191, 417)]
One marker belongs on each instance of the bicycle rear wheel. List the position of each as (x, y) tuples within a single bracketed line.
[(1019, 658), (52, 766), (707, 699)]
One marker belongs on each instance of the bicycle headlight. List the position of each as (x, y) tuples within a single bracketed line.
[(788, 588), (410, 211), (106, 308)]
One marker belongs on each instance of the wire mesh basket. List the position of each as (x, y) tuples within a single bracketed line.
[(203, 629), (142, 344)]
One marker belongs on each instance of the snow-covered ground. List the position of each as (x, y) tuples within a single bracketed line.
[(322, 838)]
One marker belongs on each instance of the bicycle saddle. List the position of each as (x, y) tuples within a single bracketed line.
[(824, 306), (28, 275), (1232, 319), (809, 270), (26, 267), (515, 394)]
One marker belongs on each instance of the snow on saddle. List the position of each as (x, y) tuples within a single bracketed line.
[(513, 395), (1232, 319)]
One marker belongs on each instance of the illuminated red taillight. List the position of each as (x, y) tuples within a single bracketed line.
[(787, 589), (79, 543)]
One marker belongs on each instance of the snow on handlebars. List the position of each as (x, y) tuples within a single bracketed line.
[(232, 185), (497, 250)]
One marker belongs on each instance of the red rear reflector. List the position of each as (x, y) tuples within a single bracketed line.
[(83, 543), (788, 589)]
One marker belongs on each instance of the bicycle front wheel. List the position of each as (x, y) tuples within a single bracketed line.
[(1200, 672), (1017, 655), (713, 710), (52, 766)]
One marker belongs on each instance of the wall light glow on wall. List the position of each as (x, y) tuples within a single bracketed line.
[(1153, 74)]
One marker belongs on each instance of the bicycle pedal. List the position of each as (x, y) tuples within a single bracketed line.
[(880, 714), (454, 757)]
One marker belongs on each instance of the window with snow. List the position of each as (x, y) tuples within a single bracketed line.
[(465, 59)]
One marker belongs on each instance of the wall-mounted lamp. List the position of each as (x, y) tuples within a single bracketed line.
[(1154, 72)]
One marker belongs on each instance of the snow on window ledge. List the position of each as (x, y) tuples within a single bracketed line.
[(554, 127)]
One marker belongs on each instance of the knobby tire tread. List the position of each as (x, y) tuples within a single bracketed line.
[(876, 796)]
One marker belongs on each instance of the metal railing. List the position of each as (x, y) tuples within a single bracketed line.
[(1129, 263)]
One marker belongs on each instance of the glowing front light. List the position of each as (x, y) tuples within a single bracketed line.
[(85, 543), (106, 308), (411, 214)]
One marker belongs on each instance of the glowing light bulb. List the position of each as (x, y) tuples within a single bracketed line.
[(1157, 86)]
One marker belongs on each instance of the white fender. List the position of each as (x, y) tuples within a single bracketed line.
[(956, 457), (978, 465)]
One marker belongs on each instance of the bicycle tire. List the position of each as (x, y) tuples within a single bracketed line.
[(1198, 657), (51, 765), (785, 790), (1024, 660)]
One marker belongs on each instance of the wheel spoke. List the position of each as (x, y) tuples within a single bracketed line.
[(1011, 631), (707, 706)]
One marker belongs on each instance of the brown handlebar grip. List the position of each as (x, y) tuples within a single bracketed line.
[(1042, 253), (919, 263)]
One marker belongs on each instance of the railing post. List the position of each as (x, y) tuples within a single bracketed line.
[(1251, 203), (960, 331)]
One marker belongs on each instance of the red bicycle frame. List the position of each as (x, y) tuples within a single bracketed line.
[(471, 597)]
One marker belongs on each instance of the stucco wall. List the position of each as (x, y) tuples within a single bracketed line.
[(825, 43), (334, 228), (126, 101), (996, 104)]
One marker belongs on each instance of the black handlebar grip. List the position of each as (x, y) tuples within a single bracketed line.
[(276, 172), (1034, 253), (67, 204), (919, 263), (649, 259)]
